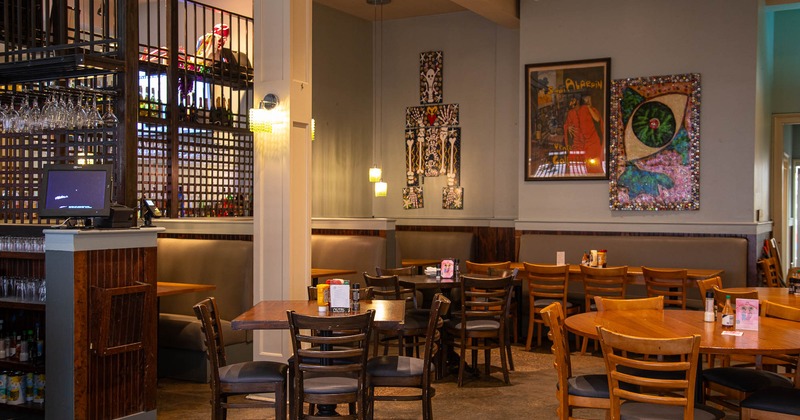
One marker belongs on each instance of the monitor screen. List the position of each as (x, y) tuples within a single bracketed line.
[(75, 191)]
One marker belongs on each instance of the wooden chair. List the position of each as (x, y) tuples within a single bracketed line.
[(729, 386), (704, 285), (329, 363), (770, 272), (238, 378), (409, 372), (501, 269), (775, 403), (720, 296), (546, 284), (401, 271), (652, 397), (608, 304), (606, 282), (671, 284), (483, 268), (481, 322), (584, 391), (415, 324)]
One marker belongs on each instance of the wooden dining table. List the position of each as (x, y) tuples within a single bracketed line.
[(165, 288), (271, 314), (774, 336), (635, 275), (779, 295)]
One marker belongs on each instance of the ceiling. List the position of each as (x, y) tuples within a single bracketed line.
[(397, 9), (502, 12)]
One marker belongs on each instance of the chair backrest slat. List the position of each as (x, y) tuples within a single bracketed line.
[(676, 383), (605, 282), (670, 283)]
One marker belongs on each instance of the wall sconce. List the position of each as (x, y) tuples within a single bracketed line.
[(374, 174), (380, 189), (313, 129), (265, 116)]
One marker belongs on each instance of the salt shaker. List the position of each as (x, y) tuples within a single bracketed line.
[(355, 304), (708, 316)]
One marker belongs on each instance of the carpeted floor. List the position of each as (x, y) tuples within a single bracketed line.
[(531, 395)]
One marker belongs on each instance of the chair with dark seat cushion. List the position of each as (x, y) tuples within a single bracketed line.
[(239, 378), (414, 325), (729, 386), (672, 397), (481, 322), (329, 362), (583, 391), (410, 372), (777, 403)]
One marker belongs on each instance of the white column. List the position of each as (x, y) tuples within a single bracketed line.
[(282, 178)]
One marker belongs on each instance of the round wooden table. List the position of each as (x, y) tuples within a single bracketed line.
[(774, 336), (779, 295)]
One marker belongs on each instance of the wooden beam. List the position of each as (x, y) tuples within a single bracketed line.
[(502, 12)]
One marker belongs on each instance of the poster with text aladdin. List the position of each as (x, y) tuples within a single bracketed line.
[(566, 120), (655, 143)]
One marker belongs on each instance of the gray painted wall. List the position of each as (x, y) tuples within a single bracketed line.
[(483, 69), (645, 38)]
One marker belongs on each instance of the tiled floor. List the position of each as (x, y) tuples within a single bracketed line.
[(531, 395)]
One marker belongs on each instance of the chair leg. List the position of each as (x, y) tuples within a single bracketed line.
[(504, 366), (461, 363), (427, 410), (487, 360), (529, 338), (507, 349), (280, 402)]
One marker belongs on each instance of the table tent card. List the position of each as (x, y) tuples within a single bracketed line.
[(340, 295), (747, 314)]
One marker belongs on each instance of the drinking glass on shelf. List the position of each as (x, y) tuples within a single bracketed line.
[(42, 290), (109, 119)]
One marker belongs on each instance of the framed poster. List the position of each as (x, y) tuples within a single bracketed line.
[(566, 120)]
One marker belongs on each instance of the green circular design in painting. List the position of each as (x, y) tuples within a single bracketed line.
[(654, 124)]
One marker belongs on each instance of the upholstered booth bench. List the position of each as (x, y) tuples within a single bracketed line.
[(226, 264), (359, 253), (725, 253), (435, 245)]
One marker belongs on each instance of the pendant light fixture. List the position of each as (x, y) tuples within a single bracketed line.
[(375, 173)]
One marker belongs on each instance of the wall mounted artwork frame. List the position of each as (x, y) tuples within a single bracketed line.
[(655, 143), (566, 120)]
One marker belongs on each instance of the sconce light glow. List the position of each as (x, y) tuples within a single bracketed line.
[(374, 174), (380, 189), (313, 129), (265, 116)]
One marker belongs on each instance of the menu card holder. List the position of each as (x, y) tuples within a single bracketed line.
[(747, 314), (448, 268), (340, 295)]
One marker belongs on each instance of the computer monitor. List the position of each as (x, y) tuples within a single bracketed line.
[(80, 191)]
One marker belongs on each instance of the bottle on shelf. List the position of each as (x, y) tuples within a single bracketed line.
[(228, 114), (153, 103), (202, 116), (182, 108), (144, 109), (728, 316), (215, 111)]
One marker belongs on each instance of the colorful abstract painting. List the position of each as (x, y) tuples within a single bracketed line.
[(655, 143), (431, 65), (412, 198)]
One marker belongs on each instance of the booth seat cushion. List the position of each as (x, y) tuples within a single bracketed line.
[(350, 252), (183, 332), (435, 245)]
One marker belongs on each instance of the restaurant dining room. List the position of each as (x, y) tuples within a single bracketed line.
[(399, 209)]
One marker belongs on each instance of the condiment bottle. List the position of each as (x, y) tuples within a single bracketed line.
[(708, 316), (355, 304), (728, 316)]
